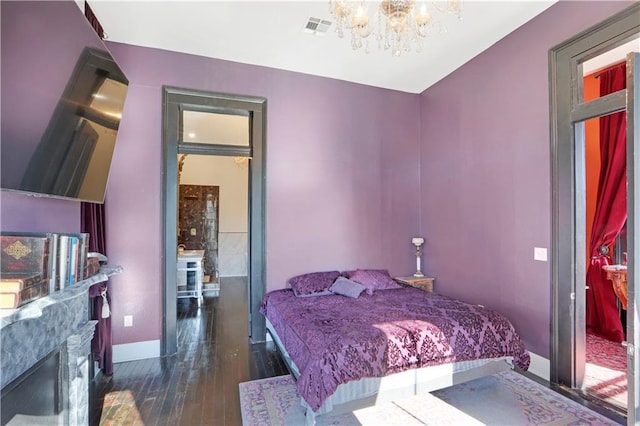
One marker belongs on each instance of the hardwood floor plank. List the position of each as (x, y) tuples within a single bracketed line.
[(160, 390), (199, 384)]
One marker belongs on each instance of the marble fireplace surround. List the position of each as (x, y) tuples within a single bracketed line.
[(59, 321)]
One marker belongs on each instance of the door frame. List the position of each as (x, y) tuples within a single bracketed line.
[(567, 110), (174, 101), (633, 232)]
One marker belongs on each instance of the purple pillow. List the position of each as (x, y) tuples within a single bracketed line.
[(346, 287), (348, 274), (374, 279), (313, 283)]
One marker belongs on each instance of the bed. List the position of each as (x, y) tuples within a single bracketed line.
[(349, 352)]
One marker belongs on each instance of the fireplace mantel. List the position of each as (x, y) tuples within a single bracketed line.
[(35, 309), (59, 321)]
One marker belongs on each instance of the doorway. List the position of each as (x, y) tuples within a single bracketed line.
[(214, 213), (181, 109), (198, 224), (569, 113)]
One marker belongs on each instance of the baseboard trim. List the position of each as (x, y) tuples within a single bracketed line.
[(136, 351), (540, 366)]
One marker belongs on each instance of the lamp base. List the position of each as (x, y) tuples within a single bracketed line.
[(418, 274)]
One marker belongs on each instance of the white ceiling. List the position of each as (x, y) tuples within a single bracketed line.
[(611, 57), (270, 33)]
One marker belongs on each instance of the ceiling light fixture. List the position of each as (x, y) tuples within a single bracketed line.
[(399, 25)]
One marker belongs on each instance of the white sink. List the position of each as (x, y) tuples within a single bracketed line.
[(190, 253)]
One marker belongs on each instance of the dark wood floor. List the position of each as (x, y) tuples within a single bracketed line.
[(199, 384)]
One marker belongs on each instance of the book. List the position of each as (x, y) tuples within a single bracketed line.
[(83, 252), (72, 254), (17, 282), (12, 300), (48, 268), (53, 262), (59, 257), (73, 260), (63, 259), (21, 253)]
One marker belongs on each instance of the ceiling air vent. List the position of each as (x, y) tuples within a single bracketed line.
[(317, 26)]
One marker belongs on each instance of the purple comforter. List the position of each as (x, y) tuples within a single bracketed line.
[(335, 339)]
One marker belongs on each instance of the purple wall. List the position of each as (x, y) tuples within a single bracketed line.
[(486, 177), (27, 213), (342, 175)]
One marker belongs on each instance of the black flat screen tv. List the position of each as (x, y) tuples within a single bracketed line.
[(62, 96)]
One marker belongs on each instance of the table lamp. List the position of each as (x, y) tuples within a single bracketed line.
[(418, 241)]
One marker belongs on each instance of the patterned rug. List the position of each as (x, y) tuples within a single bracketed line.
[(606, 370), (506, 398)]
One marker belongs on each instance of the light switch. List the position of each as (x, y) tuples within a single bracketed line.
[(192, 231), (540, 253)]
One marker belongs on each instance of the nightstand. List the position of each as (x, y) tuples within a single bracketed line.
[(423, 283)]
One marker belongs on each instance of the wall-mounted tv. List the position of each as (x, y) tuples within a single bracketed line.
[(62, 96)]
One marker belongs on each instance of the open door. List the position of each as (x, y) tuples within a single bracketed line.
[(569, 113), (633, 232)]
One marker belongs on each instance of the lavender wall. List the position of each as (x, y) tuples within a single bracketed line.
[(486, 177), (342, 175), (28, 213)]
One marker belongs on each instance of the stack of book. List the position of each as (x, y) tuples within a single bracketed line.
[(19, 289), (25, 269), (72, 256), (33, 265)]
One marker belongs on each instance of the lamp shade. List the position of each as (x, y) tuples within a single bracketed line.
[(417, 241)]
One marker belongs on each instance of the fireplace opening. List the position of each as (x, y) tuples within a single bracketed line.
[(35, 397)]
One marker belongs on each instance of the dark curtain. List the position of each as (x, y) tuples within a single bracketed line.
[(611, 213), (93, 20), (93, 222)]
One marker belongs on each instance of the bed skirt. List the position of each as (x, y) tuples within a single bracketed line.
[(370, 391)]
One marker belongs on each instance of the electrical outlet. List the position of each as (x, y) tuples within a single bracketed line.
[(128, 320)]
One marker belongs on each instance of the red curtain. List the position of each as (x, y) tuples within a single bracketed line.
[(611, 213), (93, 222)]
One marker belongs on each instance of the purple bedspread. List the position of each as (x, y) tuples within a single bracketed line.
[(336, 339)]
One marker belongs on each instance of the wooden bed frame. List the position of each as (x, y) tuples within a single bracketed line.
[(371, 391)]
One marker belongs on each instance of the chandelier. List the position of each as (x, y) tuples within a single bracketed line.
[(397, 22)]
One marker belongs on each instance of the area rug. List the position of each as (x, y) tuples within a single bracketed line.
[(506, 398), (606, 370)]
